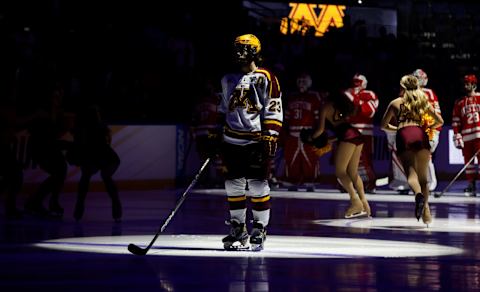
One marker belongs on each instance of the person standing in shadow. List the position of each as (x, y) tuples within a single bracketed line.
[(11, 172), (46, 131), (92, 152)]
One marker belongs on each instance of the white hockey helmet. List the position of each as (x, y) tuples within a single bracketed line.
[(359, 82), (421, 76), (470, 82)]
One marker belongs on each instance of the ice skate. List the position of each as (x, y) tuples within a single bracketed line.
[(292, 188), (79, 210), (310, 188), (370, 188), (426, 216), (366, 207), (238, 237), (55, 209), (355, 210), (36, 210), (419, 205), (258, 236), (470, 190), (274, 183)]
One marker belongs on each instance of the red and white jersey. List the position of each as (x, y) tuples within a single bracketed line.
[(252, 108), (205, 116), (302, 111), (466, 117), (433, 100), (368, 102)]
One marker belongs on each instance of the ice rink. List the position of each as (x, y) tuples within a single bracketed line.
[(309, 247)]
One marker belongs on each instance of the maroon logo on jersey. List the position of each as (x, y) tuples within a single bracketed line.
[(240, 99)]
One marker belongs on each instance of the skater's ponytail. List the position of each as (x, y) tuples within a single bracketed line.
[(342, 104), (414, 100)]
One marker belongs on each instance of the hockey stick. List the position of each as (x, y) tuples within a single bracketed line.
[(135, 249), (182, 175), (458, 174)]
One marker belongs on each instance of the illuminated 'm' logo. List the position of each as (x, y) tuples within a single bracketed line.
[(302, 17)]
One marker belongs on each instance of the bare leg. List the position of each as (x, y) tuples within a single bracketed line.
[(343, 157), (408, 162), (422, 159), (83, 186), (416, 167), (352, 171), (59, 173), (13, 179), (112, 191)]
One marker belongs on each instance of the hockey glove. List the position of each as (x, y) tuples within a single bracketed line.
[(458, 141), (306, 136), (269, 145), (214, 143), (358, 102), (319, 142)]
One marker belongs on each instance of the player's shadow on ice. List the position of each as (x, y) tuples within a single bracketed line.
[(186, 248), (396, 227)]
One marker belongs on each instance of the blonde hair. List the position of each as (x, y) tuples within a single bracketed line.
[(414, 99)]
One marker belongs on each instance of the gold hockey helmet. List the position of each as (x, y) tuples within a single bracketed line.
[(247, 47)]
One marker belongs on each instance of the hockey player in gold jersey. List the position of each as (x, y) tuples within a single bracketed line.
[(252, 118)]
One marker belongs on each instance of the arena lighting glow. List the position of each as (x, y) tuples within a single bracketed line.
[(276, 247), (303, 16), (332, 194), (462, 225)]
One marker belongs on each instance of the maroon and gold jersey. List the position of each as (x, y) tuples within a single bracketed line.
[(253, 108)]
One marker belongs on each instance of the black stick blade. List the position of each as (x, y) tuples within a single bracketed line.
[(136, 250)]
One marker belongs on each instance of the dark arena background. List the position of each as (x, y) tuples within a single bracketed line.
[(140, 69)]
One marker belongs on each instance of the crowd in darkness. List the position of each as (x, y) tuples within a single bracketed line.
[(148, 62), (144, 63)]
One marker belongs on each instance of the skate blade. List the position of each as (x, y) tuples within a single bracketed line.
[(236, 246), (56, 215), (256, 247), (356, 215)]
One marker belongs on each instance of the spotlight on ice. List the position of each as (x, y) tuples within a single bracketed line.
[(277, 246)]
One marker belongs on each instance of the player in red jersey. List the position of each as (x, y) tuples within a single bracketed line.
[(204, 123), (367, 103), (466, 129), (301, 112), (433, 100)]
